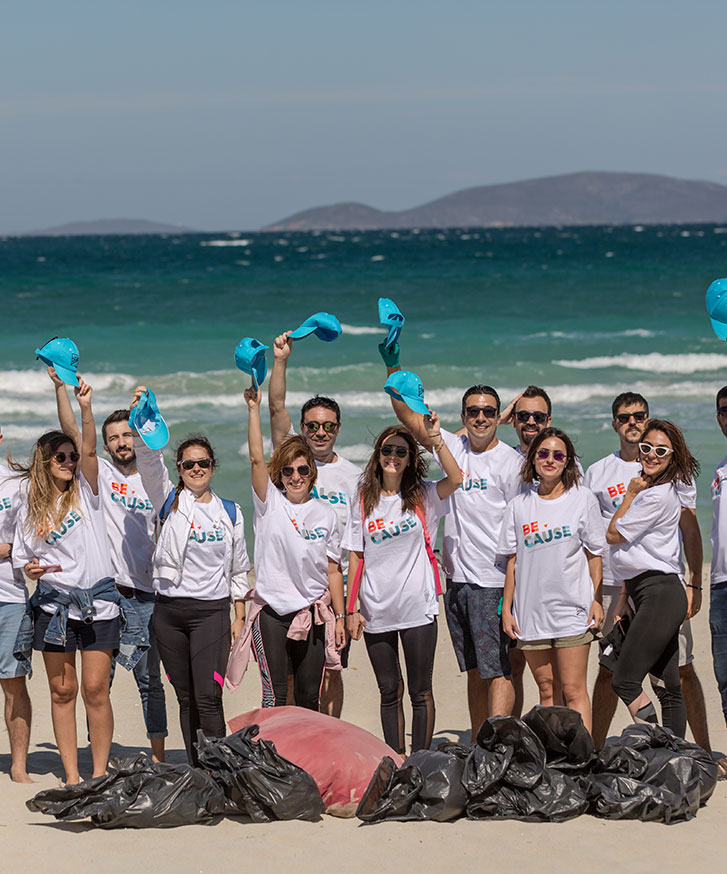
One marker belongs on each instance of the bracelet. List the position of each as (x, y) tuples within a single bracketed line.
[(340, 615), (690, 586), (441, 443)]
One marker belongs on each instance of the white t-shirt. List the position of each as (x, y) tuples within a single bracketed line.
[(553, 588), (608, 478), (203, 571), (12, 581), (293, 543), (651, 528), (130, 525), (719, 524), (397, 588), (79, 545), (490, 480), (337, 484)]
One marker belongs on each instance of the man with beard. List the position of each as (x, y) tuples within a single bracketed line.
[(530, 414), (130, 525), (608, 479)]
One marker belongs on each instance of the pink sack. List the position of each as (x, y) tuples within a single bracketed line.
[(340, 757)]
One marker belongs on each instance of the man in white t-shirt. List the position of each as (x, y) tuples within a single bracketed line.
[(718, 575), (337, 480), (130, 526), (491, 478), (13, 599), (608, 479), (530, 413)]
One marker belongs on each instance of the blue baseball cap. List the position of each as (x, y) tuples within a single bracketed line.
[(147, 420), (250, 359), (717, 307), (406, 386), (61, 353), (325, 326), (390, 317)]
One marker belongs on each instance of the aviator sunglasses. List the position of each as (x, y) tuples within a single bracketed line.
[(61, 457), (314, 427), (558, 456), (659, 451), (303, 470), (524, 416), (189, 464), (487, 412), (623, 418), (401, 451)]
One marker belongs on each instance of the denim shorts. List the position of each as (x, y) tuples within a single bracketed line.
[(475, 626), (11, 615), (82, 636)]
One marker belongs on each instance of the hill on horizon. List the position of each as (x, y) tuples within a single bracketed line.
[(585, 198), (108, 226)]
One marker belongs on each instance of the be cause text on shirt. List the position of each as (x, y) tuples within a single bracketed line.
[(337, 484), (397, 588), (553, 587), (79, 545), (12, 581), (293, 543), (491, 480)]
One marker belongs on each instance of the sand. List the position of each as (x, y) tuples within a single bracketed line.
[(31, 840)]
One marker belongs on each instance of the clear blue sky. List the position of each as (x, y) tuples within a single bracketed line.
[(223, 114)]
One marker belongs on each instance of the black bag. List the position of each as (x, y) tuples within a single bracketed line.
[(137, 793), (567, 742), (610, 645), (257, 780)]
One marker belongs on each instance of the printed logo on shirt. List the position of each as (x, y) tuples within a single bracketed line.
[(309, 533), (717, 484), (197, 535), (477, 484), (616, 493), (331, 497), (55, 535), (380, 530), (5, 504), (536, 534), (120, 495)]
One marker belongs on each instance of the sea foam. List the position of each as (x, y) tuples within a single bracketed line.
[(654, 362)]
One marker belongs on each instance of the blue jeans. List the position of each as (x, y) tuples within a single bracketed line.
[(718, 627), (147, 671)]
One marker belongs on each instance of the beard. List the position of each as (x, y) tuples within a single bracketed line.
[(123, 460)]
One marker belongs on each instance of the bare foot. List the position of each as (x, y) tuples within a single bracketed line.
[(18, 776), (74, 781)]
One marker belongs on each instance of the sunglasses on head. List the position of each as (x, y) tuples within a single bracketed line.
[(558, 456), (623, 418), (487, 412), (659, 451), (314, 427), (189, 464), (400, 451), (303, 470), (524, 416), (61, 457)]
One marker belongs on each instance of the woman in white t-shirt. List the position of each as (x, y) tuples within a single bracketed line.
[(391, 528), (647, 555), (296, 619), (552, 535), (60, 542)]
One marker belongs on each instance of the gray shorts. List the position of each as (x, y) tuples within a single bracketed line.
[(475, 626), (11, 615)]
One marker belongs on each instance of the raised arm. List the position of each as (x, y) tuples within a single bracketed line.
[(692, 540), (150, 463), (89, 459), (452, 474), (66, 419), (637, 484), (260, 476), (280, 423), (413, 422)]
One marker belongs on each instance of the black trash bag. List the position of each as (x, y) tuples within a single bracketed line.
[(137, 793), (428, 786), (555, 798), (568, 743), (610, 645), (257, 780)]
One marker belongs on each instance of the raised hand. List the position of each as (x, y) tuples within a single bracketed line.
[(282, 346)]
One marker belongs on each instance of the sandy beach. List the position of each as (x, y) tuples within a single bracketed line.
[(29, 839)]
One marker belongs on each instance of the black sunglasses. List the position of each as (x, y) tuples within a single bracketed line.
[(314, 427), (722, 411), (487, 412), (623, 418), (189, 464), (524, 416), (61, 457), (302, 470), (401, 451)]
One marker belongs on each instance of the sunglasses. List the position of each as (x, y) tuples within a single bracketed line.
[(314, 427), (303, 470), (722, 411), (400, 451), (61, 457), (189, 464), (623, 418), (558, 456), (659, 451), (524, 416), (487, 412)]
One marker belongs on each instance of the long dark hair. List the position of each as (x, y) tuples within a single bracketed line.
[(192, 440), (683, 467), (372, 479), (570, 475)]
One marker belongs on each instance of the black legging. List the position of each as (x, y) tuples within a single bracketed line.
[(419, 645), (651, 645), (193, 637), (275, 652)]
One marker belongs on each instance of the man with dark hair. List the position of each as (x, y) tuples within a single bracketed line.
[(130, 525), (608, 479), (530, 414), (337, 482), (718, 574), (475, 581)]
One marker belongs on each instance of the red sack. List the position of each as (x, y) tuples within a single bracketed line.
[(340, 757)]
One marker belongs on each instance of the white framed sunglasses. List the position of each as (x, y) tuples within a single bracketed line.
[(659, 451)]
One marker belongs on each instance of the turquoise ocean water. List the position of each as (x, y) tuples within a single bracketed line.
[(584, 312)]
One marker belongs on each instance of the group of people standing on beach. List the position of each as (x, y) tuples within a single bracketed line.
[(132, 565)]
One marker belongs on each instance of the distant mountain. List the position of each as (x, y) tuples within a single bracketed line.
[(110, 226), (589, 198)]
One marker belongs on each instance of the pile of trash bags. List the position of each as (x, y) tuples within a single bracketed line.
[(543, 768)]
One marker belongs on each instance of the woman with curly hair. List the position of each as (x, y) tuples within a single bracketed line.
[(390, 531), (647, 555)]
